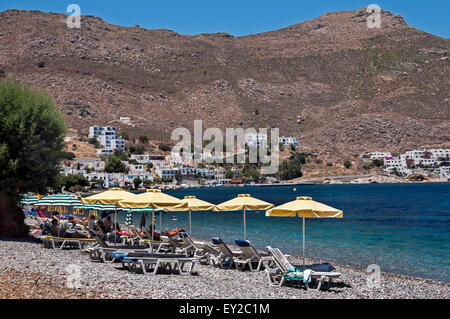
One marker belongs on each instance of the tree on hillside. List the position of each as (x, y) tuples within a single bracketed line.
[(347, 164), (32, 132), (115, 165), (69, 181), (292, 168)]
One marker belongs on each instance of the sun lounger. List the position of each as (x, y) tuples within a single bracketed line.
[(141, 240), (251, 257), (200, 249), (103, 251), (286, 272), (225, 259), (64, 242), (161, 262), (171, 245)]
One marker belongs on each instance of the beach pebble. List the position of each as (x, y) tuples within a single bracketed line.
[(27, 270)]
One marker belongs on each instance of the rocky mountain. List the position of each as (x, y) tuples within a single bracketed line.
[(340, 87)]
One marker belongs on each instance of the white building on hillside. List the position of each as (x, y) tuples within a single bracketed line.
[(167, 172), (288, 141), (396, 164), (107, 137), (439, 154), (91, 162), (379, 155), (105, 151)]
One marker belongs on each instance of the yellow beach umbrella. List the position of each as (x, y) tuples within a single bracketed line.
[(154, 198), (305, 207), (110, 197), (196, 204), (244, 202)]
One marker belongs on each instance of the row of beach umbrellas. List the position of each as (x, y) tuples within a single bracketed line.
[(154, 200)]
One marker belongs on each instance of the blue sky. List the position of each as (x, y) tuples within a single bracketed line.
[(238, 17)]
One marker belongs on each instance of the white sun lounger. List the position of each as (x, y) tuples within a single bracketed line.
[(102, 251), (251, 257), (276, 276), (225, 255), (164, 262), (200, 249)]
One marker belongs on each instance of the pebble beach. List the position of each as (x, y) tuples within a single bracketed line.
[(29, 271)]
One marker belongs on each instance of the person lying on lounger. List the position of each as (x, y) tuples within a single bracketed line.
[(71, 231), (55, 230)]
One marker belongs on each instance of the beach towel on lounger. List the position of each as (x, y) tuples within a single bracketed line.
[(294, 274)]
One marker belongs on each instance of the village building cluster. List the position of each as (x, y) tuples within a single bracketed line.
[(150, 167), (427, 162)]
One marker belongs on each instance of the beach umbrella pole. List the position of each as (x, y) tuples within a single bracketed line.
[(153, 226), (303, 236), (115, 226), (245, 227), (190, 228)]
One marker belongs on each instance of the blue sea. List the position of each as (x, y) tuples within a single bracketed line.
[(404, 228)]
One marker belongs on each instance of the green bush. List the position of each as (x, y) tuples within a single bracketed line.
[(136, 149), (377, 162), (94, 141), (143, 138), (347, 164), (163, 147), (124, 135), (68, 155)]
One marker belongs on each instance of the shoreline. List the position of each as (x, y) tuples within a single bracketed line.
[(28, 269)]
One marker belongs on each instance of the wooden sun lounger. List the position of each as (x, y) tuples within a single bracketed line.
[(160, 262), (276, 276), (251, 257)]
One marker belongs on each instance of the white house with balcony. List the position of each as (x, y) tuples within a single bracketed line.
[(167, 172), (91, 162), (396, 164), (107, 137), (379, 155), (288, 141), (440, 154)]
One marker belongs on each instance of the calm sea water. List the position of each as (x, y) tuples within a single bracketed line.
[(404, 228)]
